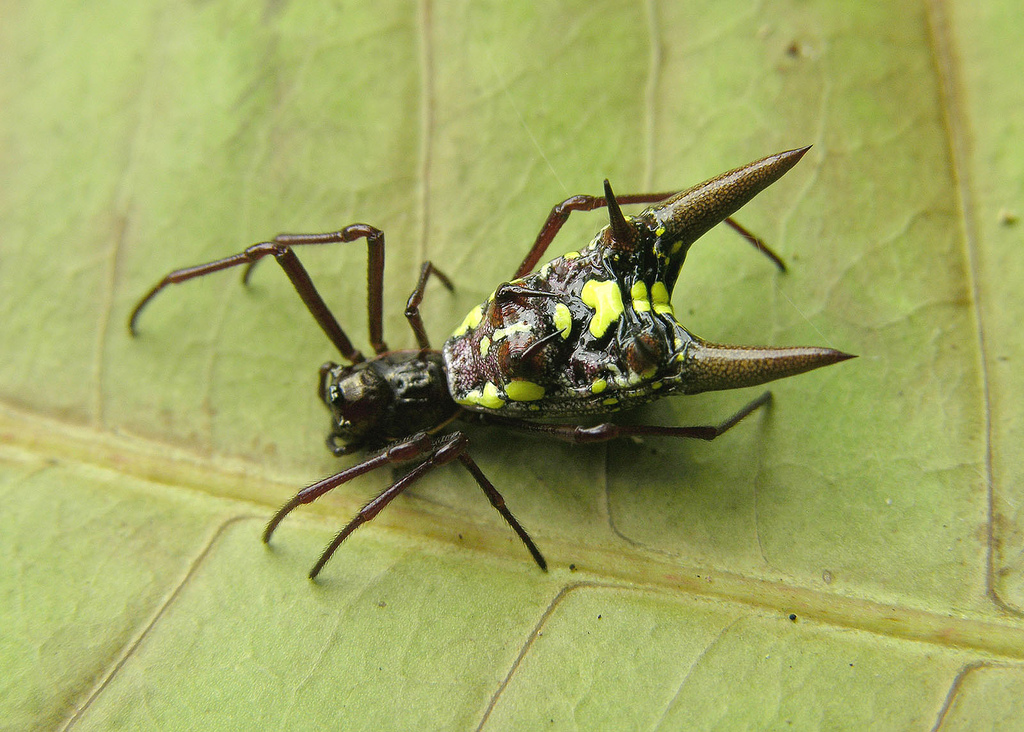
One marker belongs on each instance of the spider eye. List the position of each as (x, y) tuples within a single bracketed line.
[(357, 399), (335, 395)]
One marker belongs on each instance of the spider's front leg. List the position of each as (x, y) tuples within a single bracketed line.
[(434, 452), (280, 247)]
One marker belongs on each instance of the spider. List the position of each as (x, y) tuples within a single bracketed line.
[(590, 333)]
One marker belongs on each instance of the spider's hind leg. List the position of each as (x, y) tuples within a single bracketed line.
[(579, 435), (560, 214)]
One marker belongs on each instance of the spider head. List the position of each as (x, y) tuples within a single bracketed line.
[(358, 399)]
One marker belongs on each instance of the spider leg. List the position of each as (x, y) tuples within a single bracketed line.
[(757, 242), (412, 307), (408, 449), (578, 434), (438, 451), (560, 214), (281, 249), (498, 502)]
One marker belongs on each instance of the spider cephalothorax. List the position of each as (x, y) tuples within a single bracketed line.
[(385, 399)]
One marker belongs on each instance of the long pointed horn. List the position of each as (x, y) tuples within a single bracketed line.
[(688, 215), (710, 366)]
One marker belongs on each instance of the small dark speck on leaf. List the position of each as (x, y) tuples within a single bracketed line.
[(572, 567), (598, 617), (792, 617), (381, 603), (1007, 217)]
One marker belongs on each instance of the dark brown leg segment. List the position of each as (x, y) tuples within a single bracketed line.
[(603, 432), (281, 249), (560, 214), (758, 243), (439, 451), (412, 306), (499, 504)]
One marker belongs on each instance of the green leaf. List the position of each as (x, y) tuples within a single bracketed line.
[(849, 558)]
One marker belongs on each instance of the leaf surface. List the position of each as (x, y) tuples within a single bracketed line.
[(864, 534)]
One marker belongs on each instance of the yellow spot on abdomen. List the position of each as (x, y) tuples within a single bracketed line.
[(598, 386), (489, 397), (641, 300), (606, 300), (485, 345), (499, 333), (524, 391), (563, 319), (659, 295), (472, 320)]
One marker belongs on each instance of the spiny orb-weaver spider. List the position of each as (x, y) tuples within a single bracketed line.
[(592, 332)]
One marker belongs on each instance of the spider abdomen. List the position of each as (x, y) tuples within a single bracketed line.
[(589, 333)]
